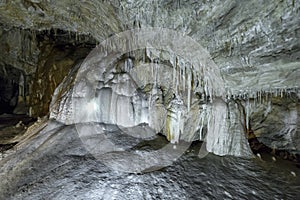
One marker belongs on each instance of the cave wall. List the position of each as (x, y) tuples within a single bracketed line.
[(275, 122), (255, 40), (258, 40), (33, 63), (18, 59), (60, 52)]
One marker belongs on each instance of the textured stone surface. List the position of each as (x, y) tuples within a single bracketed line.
[(95, 17), (19, 49), (54, 64), (33, 63), (239, 34), (55, 164), (18, 59), (276, 123)]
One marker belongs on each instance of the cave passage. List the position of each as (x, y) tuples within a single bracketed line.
[(149, 99)]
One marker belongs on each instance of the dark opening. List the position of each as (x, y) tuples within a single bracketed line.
[(9, 92)]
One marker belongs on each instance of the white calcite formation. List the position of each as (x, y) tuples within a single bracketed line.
[(254, 45), (168, 98)]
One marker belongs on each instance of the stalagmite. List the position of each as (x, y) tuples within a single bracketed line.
[(202, 118), (175, 121)]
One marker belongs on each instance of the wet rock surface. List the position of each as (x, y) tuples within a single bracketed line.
[(275, 123), (55, 164)]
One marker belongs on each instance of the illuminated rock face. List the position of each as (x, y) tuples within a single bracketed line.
[(255, 46), (128, 94)]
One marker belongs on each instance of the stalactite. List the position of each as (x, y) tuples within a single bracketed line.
[(189, 90)]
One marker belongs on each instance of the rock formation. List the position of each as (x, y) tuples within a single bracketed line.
[(254, 45)]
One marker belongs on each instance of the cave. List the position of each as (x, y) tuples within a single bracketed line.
[(149, 99)]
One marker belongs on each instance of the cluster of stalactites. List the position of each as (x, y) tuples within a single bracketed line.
[(188, 81), (263, 95), (252, 99)]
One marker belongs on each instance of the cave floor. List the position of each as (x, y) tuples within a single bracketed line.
[(51, 162), (12, 128)]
